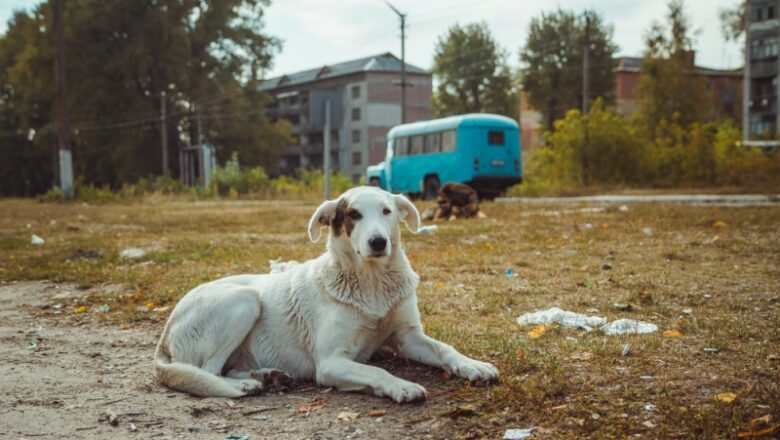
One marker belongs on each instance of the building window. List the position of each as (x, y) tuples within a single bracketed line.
[(770, 13), (355, 114), (355, 136), (357, 158), (355, 92)]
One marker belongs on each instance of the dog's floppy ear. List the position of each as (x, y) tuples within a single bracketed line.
[(321, 218), (409, 213)]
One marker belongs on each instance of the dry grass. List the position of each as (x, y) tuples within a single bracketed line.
[(570, 384)]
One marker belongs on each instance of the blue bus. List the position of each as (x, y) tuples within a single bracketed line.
[(480, 150)]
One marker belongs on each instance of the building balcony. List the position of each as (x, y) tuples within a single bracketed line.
[(763, 68), (763, 104)]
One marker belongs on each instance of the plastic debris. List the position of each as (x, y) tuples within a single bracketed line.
[(710, 350), (347, 416), (132, 253), (279, 266), (625, 350), (38, 241), (429, 229), (237, 437), (104, 308), (623, 208), (32, 345), (688, 311), (647, 231), (628, 326), (537, 331), (509, 272), (81, 309), (564, 318), (518, 434)]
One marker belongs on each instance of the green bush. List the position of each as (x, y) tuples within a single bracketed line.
[(232, 180)]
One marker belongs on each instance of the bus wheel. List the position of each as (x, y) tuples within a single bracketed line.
[(374, 181), (431, 188)]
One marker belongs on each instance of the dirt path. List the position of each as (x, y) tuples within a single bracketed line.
[(59, 379)]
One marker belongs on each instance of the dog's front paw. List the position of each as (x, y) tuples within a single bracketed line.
[(404, 392), (475, 371)]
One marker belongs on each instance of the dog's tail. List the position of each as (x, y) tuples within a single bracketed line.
[(189, 378)]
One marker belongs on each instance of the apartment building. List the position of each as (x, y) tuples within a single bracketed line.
[(763, 31), (364, 96)]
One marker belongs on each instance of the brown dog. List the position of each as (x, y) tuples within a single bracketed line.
[(454, 200)]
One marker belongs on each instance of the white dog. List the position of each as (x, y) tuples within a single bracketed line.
[(319, 320)]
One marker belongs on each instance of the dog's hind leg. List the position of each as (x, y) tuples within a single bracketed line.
[(212, 327), (270, 377)]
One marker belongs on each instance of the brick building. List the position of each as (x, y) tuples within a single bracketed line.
[(725, 85), (365, 102)]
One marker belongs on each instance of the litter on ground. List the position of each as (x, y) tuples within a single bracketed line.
[(36, 240), (569, 319), (562, 317), (518, 434), (429, 229), (279, 266), (628, 327), (132, 253)]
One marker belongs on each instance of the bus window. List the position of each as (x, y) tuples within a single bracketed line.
[(448, 139), (416, 144), (496, 138), (432, 143), (402, 146)]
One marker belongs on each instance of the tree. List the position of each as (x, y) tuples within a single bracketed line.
[(732, 21), (668, 89), (207, 57), (552, 62), (472, 73)]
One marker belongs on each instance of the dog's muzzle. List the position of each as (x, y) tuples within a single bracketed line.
[(378, 245)]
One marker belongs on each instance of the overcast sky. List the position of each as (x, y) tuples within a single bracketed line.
[(318, 32)]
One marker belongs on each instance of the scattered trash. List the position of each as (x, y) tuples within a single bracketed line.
[(726, 397), (32, 345), (688, 311), (650, 407), (312, 405), (509, 272), (230, 403), (132, 253), (647, 378), (142, 309), (38, 241), (237, 437), (518, 434), (161, 309), (628, 326), (377, 413), (760, 427), (672, 334), (647, 231), (565, 318), (537, 331), (623, 208), (132, 427), (649, 424), (710, 350), (279, 266), (429, 229), (625, 350), (587, 226), (104, 308), (81, 309), (347, 416), (606, 266)]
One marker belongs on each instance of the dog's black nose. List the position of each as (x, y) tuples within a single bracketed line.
[(377, 243)]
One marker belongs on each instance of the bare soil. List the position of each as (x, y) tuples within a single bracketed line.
[(62, 378)]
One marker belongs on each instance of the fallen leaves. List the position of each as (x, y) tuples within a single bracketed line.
[(672, 334), (377, 413), (537, 331), (312, 405), (347, 416), (760, 427), (467, 410), (726, 397)]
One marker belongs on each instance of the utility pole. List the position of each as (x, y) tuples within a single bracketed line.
[(585, 93), (403, 61), (63, 129), (326, 151), (164, 131), (746, 79)]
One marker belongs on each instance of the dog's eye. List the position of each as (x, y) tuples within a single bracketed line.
[(354, 215), (386, 211)]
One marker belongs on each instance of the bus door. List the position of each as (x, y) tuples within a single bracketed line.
[(495, 156)]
